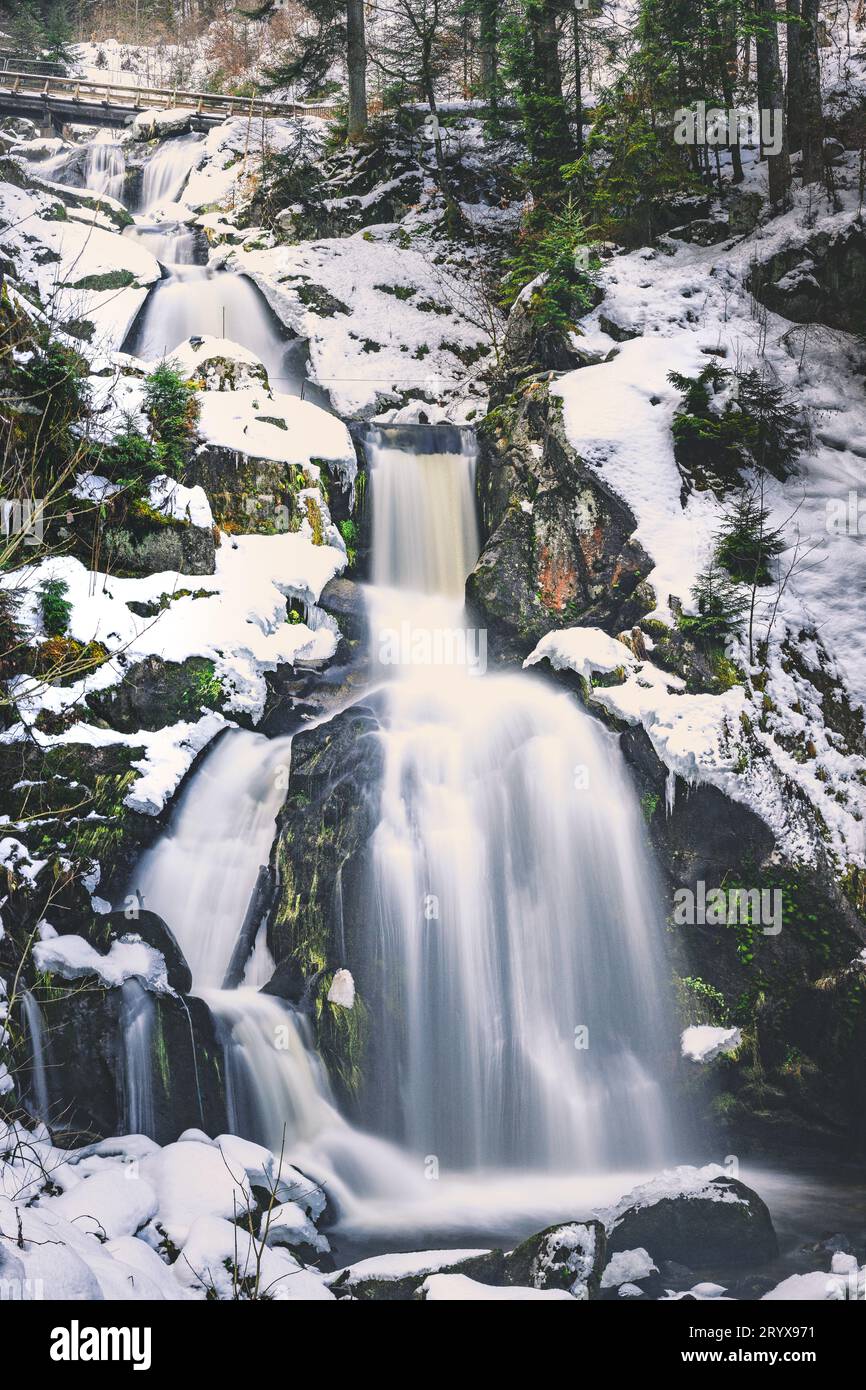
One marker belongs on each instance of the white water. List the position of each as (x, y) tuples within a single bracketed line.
[(197, 300), (106, 164), (39, 1092), (513, 905), (137, 1016), (167, 170), (201, 873)]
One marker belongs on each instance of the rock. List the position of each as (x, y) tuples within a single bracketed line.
[(85, 1065), (157, 933), (395, 1278), (185, 549), (820, 279), (620, 332), (744, 211), (155, 693), (717, 1221), (344, 600), (320, 860), (568, 1256), (706, 231), (558, 550), (158, 124)]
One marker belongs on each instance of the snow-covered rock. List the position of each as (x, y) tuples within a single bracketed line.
[(450, 1288), (703, 1043)]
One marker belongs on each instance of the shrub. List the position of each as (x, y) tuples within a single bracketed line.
[(720, 603), (734, 420), (170, 404), (56, 608), (550, 254)]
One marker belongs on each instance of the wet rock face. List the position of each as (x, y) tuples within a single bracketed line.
[(86, 1065), (820, 280), (559, 551), (727, 1222), (320, 863)]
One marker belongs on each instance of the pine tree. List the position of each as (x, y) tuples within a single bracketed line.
[(337, 32), (720, 604), (745, 541)]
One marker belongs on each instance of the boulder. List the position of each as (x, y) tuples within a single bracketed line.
[(708, 1222), (568, 1256), (821, 279), (395, 1278), (157, 933)]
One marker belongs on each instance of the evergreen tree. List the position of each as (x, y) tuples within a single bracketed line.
[(720, 604), (746, 542), (337, 32)]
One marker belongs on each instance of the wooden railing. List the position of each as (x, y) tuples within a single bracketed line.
[(139, 98)]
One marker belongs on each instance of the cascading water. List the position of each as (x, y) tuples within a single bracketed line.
[(512, 902), (167, 170), (105, 171), (196, 300), (40, 1097), (201, 877), (137, 1018)]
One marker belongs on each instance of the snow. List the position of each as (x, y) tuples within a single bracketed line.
[(241, 420), (400, 1266), (376, 345), (214, 1243), (814, 1287), (107, 1205), (73, 958), (287, 1224), (342, 991), (701, 1043), (192, 1180), (181, 503), (682, 1181), (627, 1266), (586, 650), (449, 1288), (74, 253)]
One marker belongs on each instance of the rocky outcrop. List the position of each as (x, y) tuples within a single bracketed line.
[(84, 1027), (569, 1256), (558, 546), (724, 1222), (155, 693), (320, 863), (140, 548), (396, 1278), (821, 279)]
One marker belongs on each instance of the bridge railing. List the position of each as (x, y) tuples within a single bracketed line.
[(139, 98)]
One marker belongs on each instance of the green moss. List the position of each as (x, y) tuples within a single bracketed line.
[(110, 280)]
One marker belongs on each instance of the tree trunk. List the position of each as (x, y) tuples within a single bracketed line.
[(795, 78), (549, 133), (810, 79), (489, 44), (770, 99), (357, 65), (578, 91)]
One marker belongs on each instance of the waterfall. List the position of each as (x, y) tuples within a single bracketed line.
[(137, 1019), (39, 1092), (200, 875), (512, 902), (167, 170), (172, 243), (105, 170), (196, 300)]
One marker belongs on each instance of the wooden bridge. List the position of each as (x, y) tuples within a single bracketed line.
[(55, 102)]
